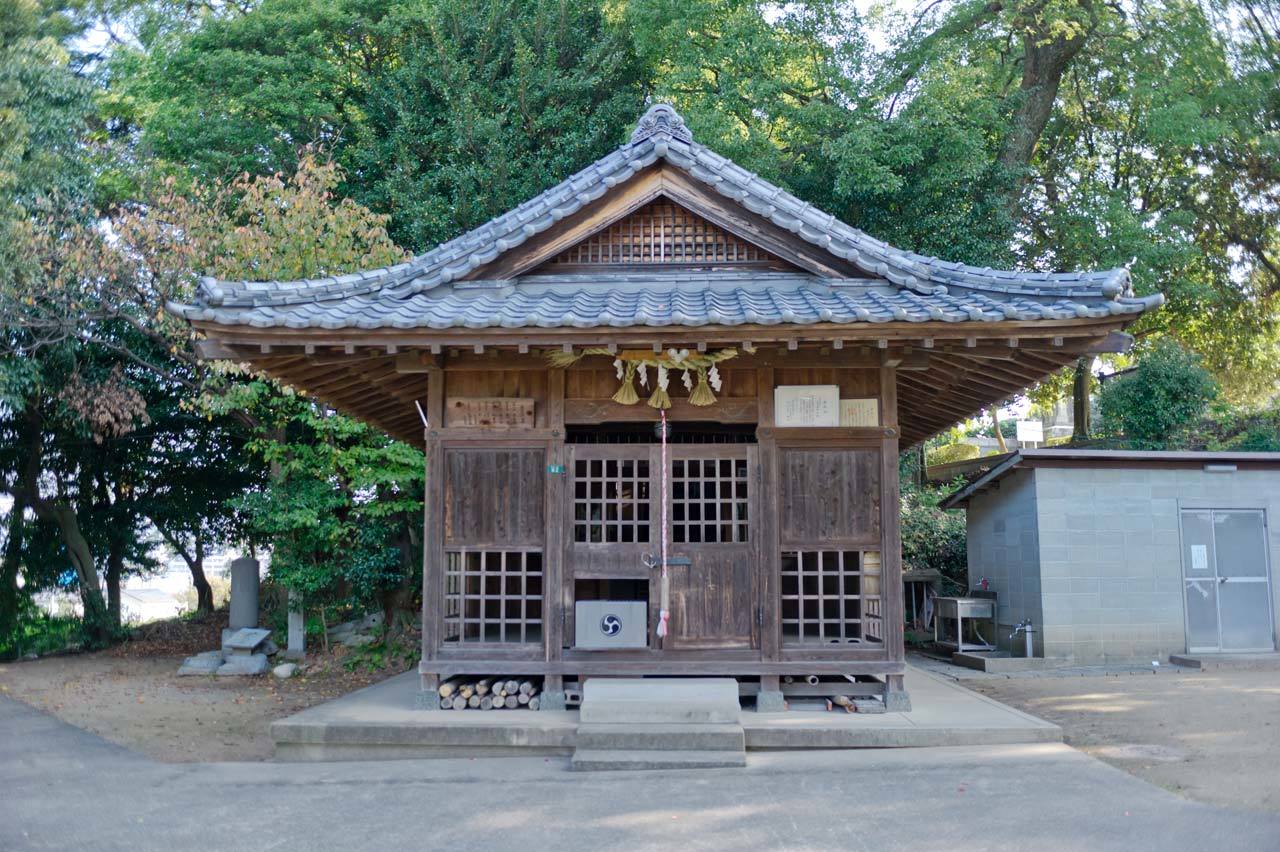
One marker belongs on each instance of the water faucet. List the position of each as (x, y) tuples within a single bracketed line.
[(1024, 627)]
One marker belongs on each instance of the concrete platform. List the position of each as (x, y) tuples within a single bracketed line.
[(596, 760), (679, 701), (380, 723), (1001, 662), (659, 723), (1260, 661)]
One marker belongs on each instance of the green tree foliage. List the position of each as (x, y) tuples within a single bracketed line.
[(44, 106), (342, 509), (94, 368), (340, 499), (444, 114), (1159, 401)]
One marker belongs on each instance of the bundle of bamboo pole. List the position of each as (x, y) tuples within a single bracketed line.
[(491, 693)]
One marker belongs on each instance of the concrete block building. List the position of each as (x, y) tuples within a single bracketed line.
[(1128, 557)]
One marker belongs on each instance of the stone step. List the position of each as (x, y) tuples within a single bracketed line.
[(660, 737), (593, 760), (657, 701)]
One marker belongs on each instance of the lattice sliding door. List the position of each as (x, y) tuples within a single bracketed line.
[(714, 599), (611, 500), (709, 500)]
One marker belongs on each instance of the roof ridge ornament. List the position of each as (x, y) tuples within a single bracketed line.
[(661, 118)]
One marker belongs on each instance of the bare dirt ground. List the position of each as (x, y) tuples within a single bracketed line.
[(1211, 736), (132, 696)]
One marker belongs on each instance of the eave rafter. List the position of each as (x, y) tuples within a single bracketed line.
[(942, 380)]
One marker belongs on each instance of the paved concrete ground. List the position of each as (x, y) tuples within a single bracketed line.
[(62, 788), (1212, 735), (380, 722)]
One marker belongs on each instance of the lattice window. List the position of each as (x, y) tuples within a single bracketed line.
[(611, 501), (663, 232), (709, 501), (493, 596), (831, 597)]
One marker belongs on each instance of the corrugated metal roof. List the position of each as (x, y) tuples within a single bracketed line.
[(426, 292)]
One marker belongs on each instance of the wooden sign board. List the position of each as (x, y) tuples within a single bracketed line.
[(806, 405), (490, 412), (860, 413)]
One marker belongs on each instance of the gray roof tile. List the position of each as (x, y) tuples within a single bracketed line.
[(420, 294)]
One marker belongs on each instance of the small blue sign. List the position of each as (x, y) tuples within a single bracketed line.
[(555, 468)]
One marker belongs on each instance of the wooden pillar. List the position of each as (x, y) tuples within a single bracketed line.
[(556, 495), (891, 538), (432, 539), (767, 548), (769, 698)]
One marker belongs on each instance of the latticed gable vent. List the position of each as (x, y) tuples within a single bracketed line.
[(663, 232)]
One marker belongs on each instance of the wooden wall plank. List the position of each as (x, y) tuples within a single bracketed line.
[(829, 495), (493, 497), (594, 411)]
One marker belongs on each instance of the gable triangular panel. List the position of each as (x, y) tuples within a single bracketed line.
[(663, 233)]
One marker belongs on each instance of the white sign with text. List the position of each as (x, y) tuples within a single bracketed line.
[(806, 405)]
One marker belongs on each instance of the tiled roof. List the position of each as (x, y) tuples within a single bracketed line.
[(658, 299), (427, 291)]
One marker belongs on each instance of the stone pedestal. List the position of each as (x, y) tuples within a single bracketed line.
[(552, 701), (244, 593), (770, 701), (297, 647)]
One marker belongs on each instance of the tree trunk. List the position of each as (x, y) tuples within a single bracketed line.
[(397, 601), (204, 591), (995, 420), (115, 571), (16, 540), (195, 564), (96, 618), (1047, 51), (9, 567), (1081, 387)]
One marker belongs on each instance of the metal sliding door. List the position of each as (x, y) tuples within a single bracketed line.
[(1226, 580)]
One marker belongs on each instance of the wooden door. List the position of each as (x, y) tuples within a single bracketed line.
[(612, 522), (712, 507)]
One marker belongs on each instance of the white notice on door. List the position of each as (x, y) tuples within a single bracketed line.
[(1199, 559), (806, 405)]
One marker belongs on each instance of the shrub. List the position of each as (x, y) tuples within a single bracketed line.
[(37, 632), (932, 538), (952, 453), (1160, 400)]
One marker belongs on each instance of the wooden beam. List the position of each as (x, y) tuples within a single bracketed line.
[(596, 411), (883, 334), (416, 362)]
